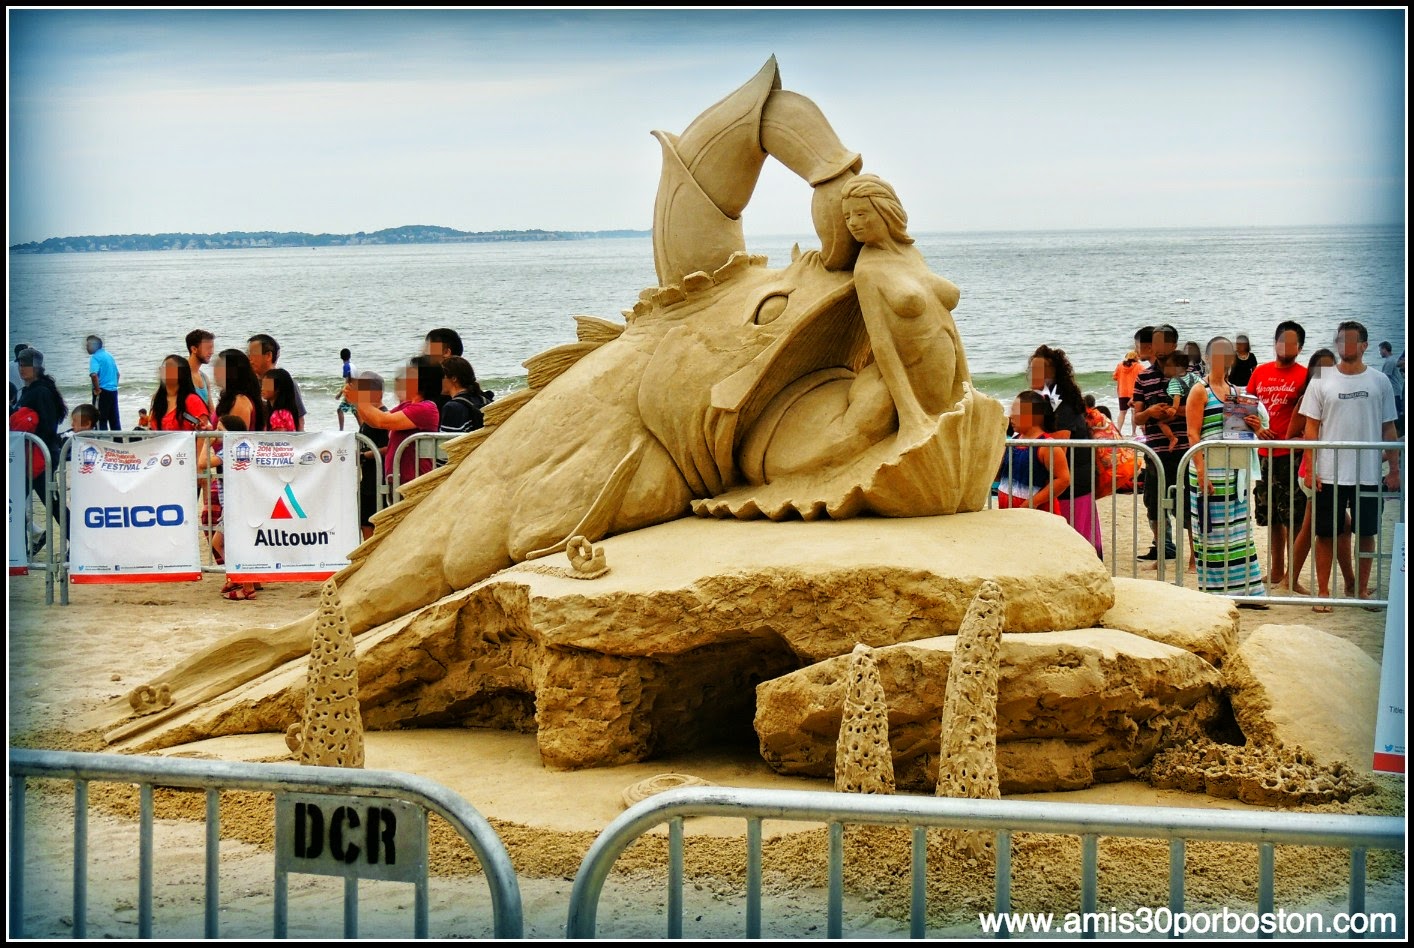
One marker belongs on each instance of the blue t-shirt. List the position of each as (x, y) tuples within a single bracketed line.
[(106, 368)]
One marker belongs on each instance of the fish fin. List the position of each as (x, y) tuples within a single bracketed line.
[(594, 329), (595, 523), (552, 363), (503, 408)]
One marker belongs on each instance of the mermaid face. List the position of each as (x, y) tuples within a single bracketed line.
[(863, 221)]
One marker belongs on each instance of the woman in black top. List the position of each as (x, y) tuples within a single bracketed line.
[(1241, 372), (1052, 375)]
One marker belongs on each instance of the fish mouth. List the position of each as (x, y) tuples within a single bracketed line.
[(829, 334)]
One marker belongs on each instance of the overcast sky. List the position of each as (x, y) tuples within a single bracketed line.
[(322, 120)]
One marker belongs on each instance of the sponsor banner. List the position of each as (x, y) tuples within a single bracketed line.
[(132, 510), (290, 505), (1389, 723), (19, 497)]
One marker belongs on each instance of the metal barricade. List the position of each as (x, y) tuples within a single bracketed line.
[(426, 446), (1224, 528), (205, 484), (1004, 817), (30, 442), (1116, 550), (213, 776)]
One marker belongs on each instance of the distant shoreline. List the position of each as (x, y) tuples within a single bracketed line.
[(427, 234), (238, 240)]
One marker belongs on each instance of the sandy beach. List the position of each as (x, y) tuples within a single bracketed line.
[(65, 660)]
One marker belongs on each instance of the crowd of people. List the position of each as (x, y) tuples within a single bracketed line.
[(1181, 399), (1175, 397), (1172, 397), (245, 389)]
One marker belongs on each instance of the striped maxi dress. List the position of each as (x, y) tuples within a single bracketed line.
[(1223, 538)]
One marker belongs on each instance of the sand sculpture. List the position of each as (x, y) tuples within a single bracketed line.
[(331, 732), (832, 388), (863, 761), (781, 464), (967, 756)]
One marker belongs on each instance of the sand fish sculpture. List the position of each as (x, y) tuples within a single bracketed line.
[(834, 387)]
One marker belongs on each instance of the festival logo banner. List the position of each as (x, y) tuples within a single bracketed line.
[(19, 497), (132, 514), (291, 505)]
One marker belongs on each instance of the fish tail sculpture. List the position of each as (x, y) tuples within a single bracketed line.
[(731, 389)]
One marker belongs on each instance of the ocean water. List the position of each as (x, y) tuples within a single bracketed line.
[(1083, 291)]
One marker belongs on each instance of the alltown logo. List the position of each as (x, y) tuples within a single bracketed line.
[(287, 508)]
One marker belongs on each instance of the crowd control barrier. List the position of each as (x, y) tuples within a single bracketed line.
[(1121, 552), (1231, 516), (205, 483), (25, 449), (388, 809), (1266, 830), (426, 447)]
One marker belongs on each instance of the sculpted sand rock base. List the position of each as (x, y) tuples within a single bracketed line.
[(665, 650), (1073, 707), (1281, 686)]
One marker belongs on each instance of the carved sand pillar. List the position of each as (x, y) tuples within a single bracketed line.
[(864, 762), (967, 764), (331, 734)]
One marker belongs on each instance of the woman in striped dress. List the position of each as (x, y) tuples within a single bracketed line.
[(1223, 537)]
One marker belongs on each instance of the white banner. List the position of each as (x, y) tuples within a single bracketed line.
[(290, 505), (1389, 723), (19, 497), (132, 513)]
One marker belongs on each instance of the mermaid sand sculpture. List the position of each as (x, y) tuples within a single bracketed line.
[(834, 387)]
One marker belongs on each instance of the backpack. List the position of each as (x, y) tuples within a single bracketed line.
[(27, 420), (1114, 467)]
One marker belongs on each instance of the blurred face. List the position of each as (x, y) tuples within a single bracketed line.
[(259, 361), (1145, 349), (406, 387), (267, 389), (1287, 346), (79, 423), (436, 350), (27, 373), (1023, 416), (1348, 345), (1321, 365), (1220, 356), (218, 372), (863, 222), (1243, 346), (169, 373), (1039, 374), (1163, 345), (366, 394)]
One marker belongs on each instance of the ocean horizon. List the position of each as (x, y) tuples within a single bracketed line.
[(1085, 290)]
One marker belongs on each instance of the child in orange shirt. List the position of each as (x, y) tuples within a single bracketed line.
[(1124, 374)]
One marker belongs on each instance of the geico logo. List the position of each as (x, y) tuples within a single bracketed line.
[(168, 515)]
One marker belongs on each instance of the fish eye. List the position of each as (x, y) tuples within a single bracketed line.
[(770, 308)]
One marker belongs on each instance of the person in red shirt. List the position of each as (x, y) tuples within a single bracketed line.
[(1278, 384), (175, 405), (418, 386), (282, 410)]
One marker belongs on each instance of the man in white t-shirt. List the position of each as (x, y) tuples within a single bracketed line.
[(1354, 403)]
